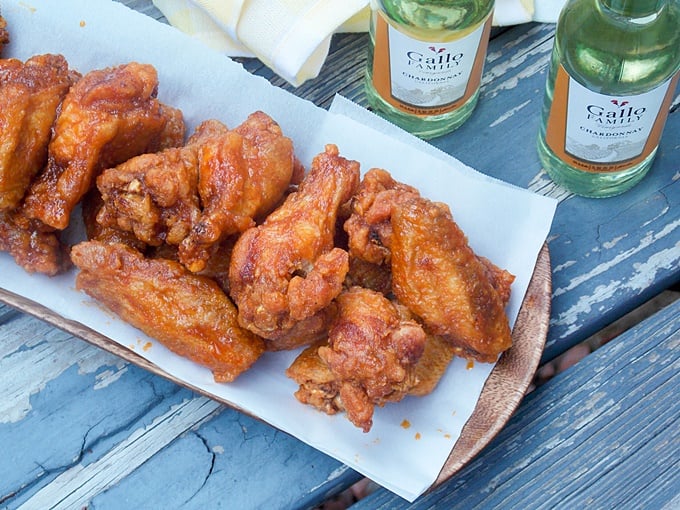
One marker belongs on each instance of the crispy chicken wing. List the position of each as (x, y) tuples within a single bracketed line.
[(369, 227), (242, 176), (34, 248), (197, 195), (371, 356), (91, 204), (318, 387), (188, 313), (30, 93), (438, 277), (109, 116), (154, 196), (372, 276), (285, 273)]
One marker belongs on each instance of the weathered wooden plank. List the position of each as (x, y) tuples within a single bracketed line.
[(603, 434), (7, 313), (74, 487), (63, 400), (233, 461)]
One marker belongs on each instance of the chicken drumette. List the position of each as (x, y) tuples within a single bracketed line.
[(107, 117), (370, 358), (285, 273), (30, 93)]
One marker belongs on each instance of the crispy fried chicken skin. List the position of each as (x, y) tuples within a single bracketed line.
[(319, 387), (91, 204), (372, 276), (188, 313), (438, 277), (153, 196), (242, 176), (197, 195), (285, 273), (30, 94), (109, 116), (371, 357), (369, 227), (34, 248)]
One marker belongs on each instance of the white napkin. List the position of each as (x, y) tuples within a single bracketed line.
[(292, 37)]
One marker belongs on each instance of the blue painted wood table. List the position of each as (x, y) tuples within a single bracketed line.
[(81, 428)]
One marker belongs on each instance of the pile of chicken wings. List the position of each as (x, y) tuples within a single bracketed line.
[(220, 245)]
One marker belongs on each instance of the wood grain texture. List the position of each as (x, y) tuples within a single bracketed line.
[(603, 434)]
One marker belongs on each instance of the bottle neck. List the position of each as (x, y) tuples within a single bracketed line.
[(634, 8)]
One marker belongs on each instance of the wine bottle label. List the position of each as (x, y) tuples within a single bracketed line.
[(424, 77), (601, 133)]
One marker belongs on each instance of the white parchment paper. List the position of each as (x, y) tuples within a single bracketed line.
[(503, 223)]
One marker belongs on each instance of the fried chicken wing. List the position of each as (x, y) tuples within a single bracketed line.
[(153, 196), (438, 277), (318, 387), (30, 94), (372, 276), (285, 272), (109, 116), (91, 204), (197, 195), (369, 227), (242, 176), (187, 313), (371, 358), (34, 248)]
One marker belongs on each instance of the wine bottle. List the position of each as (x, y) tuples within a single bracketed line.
[(425, 63), (614, 69)]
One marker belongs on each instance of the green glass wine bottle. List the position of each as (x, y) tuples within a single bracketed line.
[(425, 62), (614, 67)]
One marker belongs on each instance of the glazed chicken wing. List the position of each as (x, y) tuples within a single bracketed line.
[(369, 227), (91, 206), (371, 358), (372, 276), (197, 195), (153, 196), (438, 277), (33, 247), (30, 93), (242, 176), (109, 116), (285, 273), (187, 313)]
